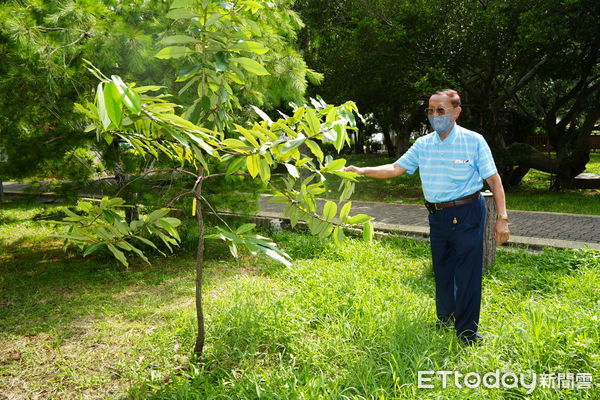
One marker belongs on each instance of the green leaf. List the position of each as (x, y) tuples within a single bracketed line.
[(368, 231), (294, 215), (252, 163), (221, 61), (237, 164), (340, 137), (292, 144), (326, 231), (178, 39), (236, 144), (118, 254), (169, 228), (262, 114), (292, 170), (225, 5), (182, 3), (314, 125), (334, 165), (345, 211), (112, 101), (131, 99), (348, 190), (251, 65), (248, 135), (233, 250), (277, 256), (92, 248), (338, 235), (279, 198), (265, 170), (316, 150), (245, 228), (329, 210), (253, 47), (101, 105), (188, 71), (173, 52), (181, 13), (155, 215), (174, 222), (346, 175), (358, 219)]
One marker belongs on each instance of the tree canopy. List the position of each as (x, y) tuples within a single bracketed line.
[(521, 67)]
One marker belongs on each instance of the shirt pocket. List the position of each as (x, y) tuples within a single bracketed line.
[(461, 170)]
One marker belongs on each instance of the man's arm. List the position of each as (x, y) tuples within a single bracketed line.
[(382, 171), (501, 231)]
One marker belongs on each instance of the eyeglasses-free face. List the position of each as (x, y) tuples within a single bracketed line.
[(438, 111)]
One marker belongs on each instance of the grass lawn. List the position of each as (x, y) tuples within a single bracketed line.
[(533, 195), (355, 322)]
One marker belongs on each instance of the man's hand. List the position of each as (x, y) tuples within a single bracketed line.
[(501, 232), (356, 170)]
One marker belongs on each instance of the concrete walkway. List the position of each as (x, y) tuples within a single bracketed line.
[(528, 228)]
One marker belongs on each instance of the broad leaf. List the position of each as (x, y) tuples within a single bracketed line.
[(178, 39), (329, 210), (112, 101), (251, 65), (181, 13), (253, 47), (358, 219), (173, 52), (345, 211)]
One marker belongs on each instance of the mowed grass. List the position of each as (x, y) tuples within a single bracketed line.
[(355, 322), (532, 195)]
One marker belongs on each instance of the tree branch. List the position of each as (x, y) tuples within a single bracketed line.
[(182, 171), (522, 82)]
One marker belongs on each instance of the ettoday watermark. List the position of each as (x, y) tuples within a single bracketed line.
[(505, 379)]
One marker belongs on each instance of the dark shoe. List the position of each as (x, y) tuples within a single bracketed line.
[(444, 322), (471, 339)]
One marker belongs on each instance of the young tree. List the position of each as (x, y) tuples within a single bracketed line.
[(151, 126), (230, 50)]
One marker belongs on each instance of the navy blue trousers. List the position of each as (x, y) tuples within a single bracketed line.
[(457, 253)]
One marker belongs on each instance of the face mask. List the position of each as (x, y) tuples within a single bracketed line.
[(441, 123)]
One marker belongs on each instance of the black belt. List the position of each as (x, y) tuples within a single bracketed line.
[(433, 207)]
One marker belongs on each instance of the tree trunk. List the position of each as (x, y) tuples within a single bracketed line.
[(391, 149), (359, 144), (1, 190), (199, 346)]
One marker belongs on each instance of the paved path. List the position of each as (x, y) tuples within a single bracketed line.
[(536, 229)]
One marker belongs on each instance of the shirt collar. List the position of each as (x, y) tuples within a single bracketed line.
[(450, 138)]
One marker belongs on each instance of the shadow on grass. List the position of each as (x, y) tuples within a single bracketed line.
[(44, 289)]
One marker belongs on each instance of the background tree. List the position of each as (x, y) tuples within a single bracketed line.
[(42, 74), (517, 65)]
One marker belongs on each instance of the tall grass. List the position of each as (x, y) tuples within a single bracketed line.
[(354, 322)]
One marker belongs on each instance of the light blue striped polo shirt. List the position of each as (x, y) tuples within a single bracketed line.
[(451, 168)]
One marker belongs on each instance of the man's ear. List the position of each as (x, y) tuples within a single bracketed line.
[(457, 111)]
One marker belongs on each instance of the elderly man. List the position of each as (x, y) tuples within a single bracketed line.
[(452, 163)]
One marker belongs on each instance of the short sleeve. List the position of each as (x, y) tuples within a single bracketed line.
[(485, 162), (410, 160)]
